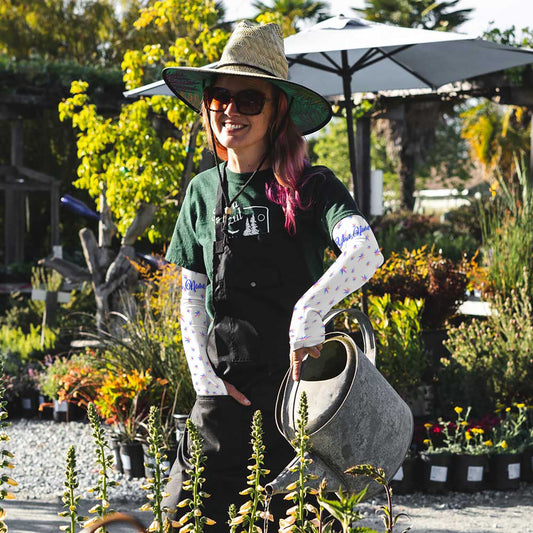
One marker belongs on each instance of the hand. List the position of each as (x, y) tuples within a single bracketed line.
[(236, 395), (297, 357)]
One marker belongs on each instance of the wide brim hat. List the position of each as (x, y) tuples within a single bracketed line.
[(253, 51)]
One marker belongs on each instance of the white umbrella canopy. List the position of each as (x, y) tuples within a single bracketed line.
[(378, 57)]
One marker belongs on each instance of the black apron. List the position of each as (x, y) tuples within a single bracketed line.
[(257, 280)]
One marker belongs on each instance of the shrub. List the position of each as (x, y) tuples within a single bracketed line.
[(495, 353), (423, 274), (400, 356)]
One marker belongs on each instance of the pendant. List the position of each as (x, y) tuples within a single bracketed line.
[(228, 210)]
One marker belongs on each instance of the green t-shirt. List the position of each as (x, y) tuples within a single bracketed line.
[(191, 246)]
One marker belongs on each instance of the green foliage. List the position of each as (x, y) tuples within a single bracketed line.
[(155, 485), (70, 499), (423, 274), (194, 520), (150, 336), (493, 354), (511, 434), (132, 158), (507, 233), (343, 508), (15, 344), (400, 354)]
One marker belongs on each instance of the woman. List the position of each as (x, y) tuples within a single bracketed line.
[(250, 239)]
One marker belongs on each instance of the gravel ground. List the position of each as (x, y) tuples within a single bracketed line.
[(40, 448)]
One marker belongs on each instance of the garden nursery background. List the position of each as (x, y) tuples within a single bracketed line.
[(92, 183)]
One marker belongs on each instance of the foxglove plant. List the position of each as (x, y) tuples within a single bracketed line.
[(70, 499), (194, 520), (105, 464)]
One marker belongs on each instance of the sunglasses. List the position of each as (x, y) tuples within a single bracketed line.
[(248, 102)]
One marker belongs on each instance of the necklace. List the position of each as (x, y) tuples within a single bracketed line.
[(228, 210)]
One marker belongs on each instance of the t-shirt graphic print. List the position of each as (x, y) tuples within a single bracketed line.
[(248, 221)]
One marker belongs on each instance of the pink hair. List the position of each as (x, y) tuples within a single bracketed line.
[(287, 155)]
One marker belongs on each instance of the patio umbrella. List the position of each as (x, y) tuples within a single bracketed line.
[(342, 56)]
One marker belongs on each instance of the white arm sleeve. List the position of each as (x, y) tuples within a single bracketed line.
[(194, 324), (359, 259)]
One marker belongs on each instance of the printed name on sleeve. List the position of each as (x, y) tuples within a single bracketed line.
[(192, 285), (357, 231)]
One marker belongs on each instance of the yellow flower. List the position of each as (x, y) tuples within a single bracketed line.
[(520, 405), (428, 426), (503, 444), (477, 431), (488, 443), (507, 409), (427, 441), (458, 410), (464, 423), (468, 436)]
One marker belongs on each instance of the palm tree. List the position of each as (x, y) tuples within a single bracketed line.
[(427, 14), (292, 12)]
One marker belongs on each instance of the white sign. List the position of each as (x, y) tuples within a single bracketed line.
[(474, 473), (513, 471), (126, 461), (438, 473)]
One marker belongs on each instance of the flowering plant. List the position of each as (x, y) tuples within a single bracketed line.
[(124, 400), (511, 435), (459, 437)]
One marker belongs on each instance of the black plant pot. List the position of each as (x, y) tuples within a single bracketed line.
[(469, 472), (436, 472), (526, 472), (115, 448), (504, 471), (29, 402), (405, 480), (170, 454), (132, 459), (67, 412)]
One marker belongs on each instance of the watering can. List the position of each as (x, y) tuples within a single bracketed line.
[(354, 415)]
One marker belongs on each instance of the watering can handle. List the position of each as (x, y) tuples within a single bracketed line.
[(367, 331)]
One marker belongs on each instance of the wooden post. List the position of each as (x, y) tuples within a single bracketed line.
[(14, 203)]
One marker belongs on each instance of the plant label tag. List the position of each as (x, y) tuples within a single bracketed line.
[(126, 461), (26, 403), (513, 471), (474, 473), (399, 475), (438, 473), (60, 407)]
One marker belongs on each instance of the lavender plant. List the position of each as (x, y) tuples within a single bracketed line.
[(194, 520)]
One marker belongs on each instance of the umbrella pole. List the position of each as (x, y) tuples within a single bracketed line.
[(358, 186), (347, 89)]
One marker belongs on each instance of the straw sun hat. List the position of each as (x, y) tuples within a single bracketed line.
[(253, 51)]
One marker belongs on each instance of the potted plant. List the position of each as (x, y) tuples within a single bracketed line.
[(470, 461), (124, 401), (509, 443), (436, 458), (527, 454)]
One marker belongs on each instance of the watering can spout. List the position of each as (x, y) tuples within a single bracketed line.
[(317, 467)]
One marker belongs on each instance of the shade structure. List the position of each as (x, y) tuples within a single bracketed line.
[(342, 56)]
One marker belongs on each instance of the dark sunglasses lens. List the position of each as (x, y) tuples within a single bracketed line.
[(217, 98), (250, 102)]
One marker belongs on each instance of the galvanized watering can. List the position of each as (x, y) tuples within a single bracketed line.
[(355, 416)]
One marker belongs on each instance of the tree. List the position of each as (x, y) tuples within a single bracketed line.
[(427, 14), (289, 13), (136, 166)]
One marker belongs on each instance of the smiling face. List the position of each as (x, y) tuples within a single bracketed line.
[(244, 136)]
